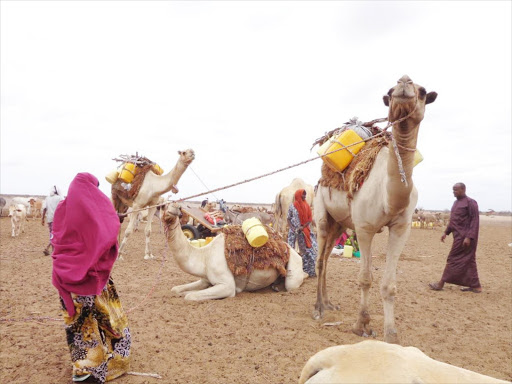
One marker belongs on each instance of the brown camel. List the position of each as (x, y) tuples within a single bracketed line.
[(384, 199), (150, 191)]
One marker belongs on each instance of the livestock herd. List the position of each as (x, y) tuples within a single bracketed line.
[(20, 209)]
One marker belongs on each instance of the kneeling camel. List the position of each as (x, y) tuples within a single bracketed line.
[(216, 281)]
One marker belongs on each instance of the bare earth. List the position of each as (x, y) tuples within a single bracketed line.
[(263, 337)]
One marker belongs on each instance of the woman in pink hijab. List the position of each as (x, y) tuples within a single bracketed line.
[(85, 230)]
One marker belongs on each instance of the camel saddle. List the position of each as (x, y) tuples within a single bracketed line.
[(242, 258), (353, 177), (128, 191)]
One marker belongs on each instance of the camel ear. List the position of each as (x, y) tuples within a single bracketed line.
[(386, 100), (180, 153), (431, 97)]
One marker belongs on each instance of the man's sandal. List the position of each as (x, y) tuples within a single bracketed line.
[(434, 287), (469, 289)]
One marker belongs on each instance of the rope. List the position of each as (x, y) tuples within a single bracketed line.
[(201, 181), (384, 130), (155, 375), (401, 170)]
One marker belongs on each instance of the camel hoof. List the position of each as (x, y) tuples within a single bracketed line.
[(372, 334), (392, 337), (120, 257), (148, 257), (317, 315), (363, 331)]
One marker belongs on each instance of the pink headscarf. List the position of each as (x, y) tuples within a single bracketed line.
[(85, 229)]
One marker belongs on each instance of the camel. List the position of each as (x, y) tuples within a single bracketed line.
[(150, 191), (373, 361), (283, 201), (216, 281), (382, 200)]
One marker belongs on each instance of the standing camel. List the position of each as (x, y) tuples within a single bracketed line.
[(150, 191), (283, 201), (383, 200)]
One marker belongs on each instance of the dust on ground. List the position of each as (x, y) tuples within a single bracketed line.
[(260, 337)]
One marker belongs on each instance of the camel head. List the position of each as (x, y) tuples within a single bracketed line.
[(172, 212), (187, 156), (408, 98)]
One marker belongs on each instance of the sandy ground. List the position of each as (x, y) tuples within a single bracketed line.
[(262, 337)]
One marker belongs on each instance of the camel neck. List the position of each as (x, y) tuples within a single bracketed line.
[(163, 184), (398, 191), (189, 258)]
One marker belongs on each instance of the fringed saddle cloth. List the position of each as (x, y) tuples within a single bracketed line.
[(128, 191), (352, 178), (242, 258)]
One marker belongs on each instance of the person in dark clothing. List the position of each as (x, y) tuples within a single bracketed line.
[(204, 202), (464, 225)]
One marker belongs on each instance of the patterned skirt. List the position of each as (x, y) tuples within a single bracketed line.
[(98, 336)]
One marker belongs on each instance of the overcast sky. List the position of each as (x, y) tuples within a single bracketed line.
[(250, 86)]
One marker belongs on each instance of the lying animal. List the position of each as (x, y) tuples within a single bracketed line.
[(216, 281), (373, 361)]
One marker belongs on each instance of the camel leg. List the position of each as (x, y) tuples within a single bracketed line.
[(127, 233), (328, 231), (398, 235), (147, 232), (191, 287), (294, 272), (362, 326), (218, 291)]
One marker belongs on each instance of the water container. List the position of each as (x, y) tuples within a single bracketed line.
[(202, 242), (194, 243), (418, 158), (339, 160), (127, 172), (209, 240), (347, 251), (156, 168), (255, 232), (112, 176)]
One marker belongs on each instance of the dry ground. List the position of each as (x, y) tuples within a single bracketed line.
[(263, 337)]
